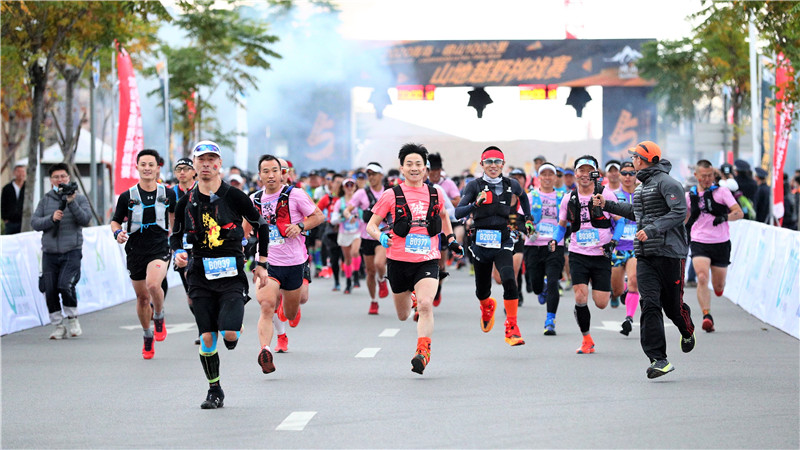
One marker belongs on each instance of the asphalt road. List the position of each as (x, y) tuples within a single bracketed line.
[(739, 388)]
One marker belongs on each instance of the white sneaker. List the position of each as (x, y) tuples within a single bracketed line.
[(60, 332), (74, 327)]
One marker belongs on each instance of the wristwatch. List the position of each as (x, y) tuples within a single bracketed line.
[(302, 226), (263, 265)]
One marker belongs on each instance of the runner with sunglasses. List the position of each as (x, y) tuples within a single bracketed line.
[(623, 259)]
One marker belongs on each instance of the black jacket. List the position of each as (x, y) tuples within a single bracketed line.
[(761, 203), (11, 208)]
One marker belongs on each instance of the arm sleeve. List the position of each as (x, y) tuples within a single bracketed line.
[(675, 197), (179, 227), (40, 221), (466, 205), (619, 227), (80, 209)]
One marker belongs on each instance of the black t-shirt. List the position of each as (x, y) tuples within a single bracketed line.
[(151, 240)]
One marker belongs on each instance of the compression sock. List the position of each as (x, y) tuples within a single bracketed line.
[(583, 317), (511, 308), (348, 270), (210, 362), (631, 302), (158, 315)]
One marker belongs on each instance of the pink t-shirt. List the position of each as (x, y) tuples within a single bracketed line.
[(588, 241), (703, 230), (284, 251), (361, 201), (449, 187), (417, 246), (547, 226), (347, 226)]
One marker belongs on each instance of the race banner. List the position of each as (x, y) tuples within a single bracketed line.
[(783, 121), (130, 137), (629, 117)]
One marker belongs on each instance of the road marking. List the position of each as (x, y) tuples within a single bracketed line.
[(296, 421), (389, 332), (368, 352), (610, 325), (171, 328)]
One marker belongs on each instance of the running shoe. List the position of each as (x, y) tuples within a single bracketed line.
[(513, 336), (336, 287), (348, 286), (383, 290), (438, 299), (148, 350), (373, 308), (74, 327), (281, 315), (708, 323), (520, 301), (356, 283), (687, 344), (265, 361), (587, 346), (420, 360), (487, 315), (60, 332), (215, 399), (414, 306), (550, 327), (627, 326), (283, 344), (160, 332), (614, 302), (293, 323), (658, 368)]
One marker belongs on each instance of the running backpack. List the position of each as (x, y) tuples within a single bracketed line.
[(282, 218), (402, 214)]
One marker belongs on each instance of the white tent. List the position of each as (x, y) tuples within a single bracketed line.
[(102, 151)]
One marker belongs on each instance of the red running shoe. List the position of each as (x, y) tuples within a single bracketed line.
[(148, 350), (293, 323), (513, 336), (487, 315), (438, 299), (160, 332), (587, 346), (373, 308), (283, 344), (383, 290), (265, 361), (421, 358), (708, 323)]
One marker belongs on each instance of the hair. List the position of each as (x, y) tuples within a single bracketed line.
[(704, 163), (393, 173), (58, 166), (491, 147), (150, 152), (575, 166), (409, 149), (267, 158), (436, 161), (626, 164)]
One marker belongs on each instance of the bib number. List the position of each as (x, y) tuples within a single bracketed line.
[(275, 237), (350, 227), (216, 268), (419, 244), (546, 229), (629, 232), (488, 238), (588, 237)]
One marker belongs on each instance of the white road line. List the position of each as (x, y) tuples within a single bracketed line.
[(368, 352), (296, 421), (389, 332)]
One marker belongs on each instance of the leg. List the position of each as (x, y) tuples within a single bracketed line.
[(651, 320), (672, 296), (372, 282), (267, 298), (402, 303), (143, 309), (156, 271), (425, 289), (701, 266), (617, 280), (718, 275)]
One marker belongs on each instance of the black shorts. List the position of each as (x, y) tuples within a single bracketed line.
[(368, 247), (218, 304), (719, 254), (289, 278), (403, 276), (137, 264), (596, 269)]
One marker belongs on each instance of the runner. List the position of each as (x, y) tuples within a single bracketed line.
[(453, 196), (209, 216), (185, 174), (490, 200), (349, 238), (612, 175), (330, 232), (288, 212), (543, 267), (374, 253), (590, 248), (148, 208), (624, 259), (413, 247), (710, 208)]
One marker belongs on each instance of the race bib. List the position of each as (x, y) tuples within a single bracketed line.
[(350, 227), (216, 268), (275, 237), (546, 229), (629, 232), (588, 237), (488, 238), (419, 244)]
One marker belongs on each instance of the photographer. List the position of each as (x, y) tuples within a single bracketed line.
[(60, 215)]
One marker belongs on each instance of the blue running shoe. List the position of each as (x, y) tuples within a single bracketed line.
[(550, 327), (615, 302)]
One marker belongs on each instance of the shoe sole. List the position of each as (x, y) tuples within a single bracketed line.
[(148, 356), (708, 325), (267, 366), (582, 351), (549, 332), (207, 405), (655, 373), (417, 365), (515, 341), (282, 351), (487, 327)]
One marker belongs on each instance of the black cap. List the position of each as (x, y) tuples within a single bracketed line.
[(540, 157), (516, 172), (741, 165), (184, 162), (726, 168), (761, 173)]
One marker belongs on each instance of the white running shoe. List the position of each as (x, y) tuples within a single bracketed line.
[(74, 327), (60, 332)]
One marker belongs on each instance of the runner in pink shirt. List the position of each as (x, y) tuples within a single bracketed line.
[(711, 207), (413, 244)]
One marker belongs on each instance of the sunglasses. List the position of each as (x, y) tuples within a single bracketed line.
[(627, 173), (209, 147), (496, 161)]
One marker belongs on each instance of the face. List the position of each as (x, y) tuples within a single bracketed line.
[(520, 179), (413, 168), (270, 174), (336, 184), (361, 182), (58, 177), (547, 179), (705, 177), (435, 175), (628, 176), (582, 173), (613, 175), (208, 166), (638, 163), (569, 179), (184, 173), (537, 163), (314, 181), (493, 167), (375, 179), (284, 171), (349, 188), (20, 173), (147, 167)]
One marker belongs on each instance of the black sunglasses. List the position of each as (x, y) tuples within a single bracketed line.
[(627, 172)]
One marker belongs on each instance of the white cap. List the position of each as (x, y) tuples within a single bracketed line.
[(203, 147), (236, 177), (375, 167), (547, 166)]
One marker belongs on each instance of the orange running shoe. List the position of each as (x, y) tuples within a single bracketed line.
[(414, 306), (265, 361), (283, 344), (487, 314), (373, 308), (383, 290), (513, 336), (281, 315), (421, 359), (160, 332), (438, 299), (148, 350), (293, 323), (587, 346)]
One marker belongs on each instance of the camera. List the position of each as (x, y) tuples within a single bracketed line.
[(67, 189), (598, 189)]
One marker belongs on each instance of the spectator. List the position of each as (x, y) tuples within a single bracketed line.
[(11, 201), (744, 178), (761, 200)]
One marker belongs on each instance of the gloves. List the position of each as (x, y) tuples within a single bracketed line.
[(608, 249), (530, 227), (719, 219), (456, 248), (384, 240)]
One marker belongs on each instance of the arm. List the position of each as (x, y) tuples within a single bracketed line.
[(467, 203), (373, 227), (675, 197), (735, 213), (178, 226), (40, 221), (79, 207), (622, 209)]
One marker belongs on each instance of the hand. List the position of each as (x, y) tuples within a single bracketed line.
[(530, 227), (481, 198), (260, 277), (122, 237), (719, 219), (181, 259), (598, 200), (58, 215), (641, 236), (385, 240), (456, 248), (552, 245), (70, 198), (352, 219), (292, 231)]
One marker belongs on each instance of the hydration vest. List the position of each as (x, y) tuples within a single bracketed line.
[(574, 214), (709, 205), (367, 213), (282, 218), (494, 206), (136, 208), (536, 204), (402, 214), (218, 210)]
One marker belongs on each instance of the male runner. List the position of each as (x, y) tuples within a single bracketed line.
[(185, 174), (623, 259)]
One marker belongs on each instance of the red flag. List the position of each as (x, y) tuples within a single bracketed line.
[(130, 137), (783, 119)]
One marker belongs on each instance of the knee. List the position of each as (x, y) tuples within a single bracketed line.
[(702, 278), (153, 286)]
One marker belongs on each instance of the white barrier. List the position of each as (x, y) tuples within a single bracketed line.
[(104, 277)]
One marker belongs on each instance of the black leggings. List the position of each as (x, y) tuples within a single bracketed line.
[(540, 262), (485, 258)]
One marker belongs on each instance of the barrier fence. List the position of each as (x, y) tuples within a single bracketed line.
[(764, 277)]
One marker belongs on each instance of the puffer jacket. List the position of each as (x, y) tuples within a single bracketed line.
[(659, 208), (68, 235)]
